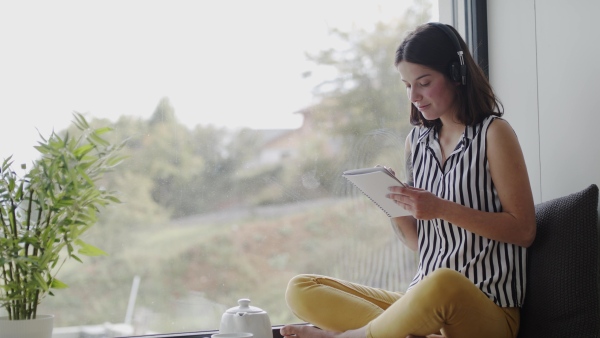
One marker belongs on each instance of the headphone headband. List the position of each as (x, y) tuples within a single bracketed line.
[(460, 74)]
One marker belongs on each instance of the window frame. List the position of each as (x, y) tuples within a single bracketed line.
[(477, 34), (469, 17)]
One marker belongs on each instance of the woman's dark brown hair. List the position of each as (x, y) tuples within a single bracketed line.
[(431, 47)]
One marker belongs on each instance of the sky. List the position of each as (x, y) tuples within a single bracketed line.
[(233, 63)]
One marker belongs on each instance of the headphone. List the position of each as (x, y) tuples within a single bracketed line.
[(457, 71)]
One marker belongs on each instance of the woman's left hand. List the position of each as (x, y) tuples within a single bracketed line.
[(419, 202)]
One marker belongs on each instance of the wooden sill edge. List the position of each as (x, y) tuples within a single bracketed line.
[(204, 334)]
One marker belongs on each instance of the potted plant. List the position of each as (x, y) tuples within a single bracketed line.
[(43, 214)]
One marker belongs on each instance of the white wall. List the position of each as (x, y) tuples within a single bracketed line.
[(545, 67)]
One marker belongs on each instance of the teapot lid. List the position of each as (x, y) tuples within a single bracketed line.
[(244, 306)]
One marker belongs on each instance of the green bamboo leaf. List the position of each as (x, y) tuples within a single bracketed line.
[(88, 164), (99, 140), (64, 202), (56, 284), (40, 281), (82, 173), (111, 162), (84, 149), (113, 199), (89, 250), (103, 130), (7, 163), (80, 121)]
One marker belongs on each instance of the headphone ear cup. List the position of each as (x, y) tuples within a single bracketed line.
[(454, 72)]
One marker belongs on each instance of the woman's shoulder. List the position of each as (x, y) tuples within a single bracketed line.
[(499, 128), (502, 137)]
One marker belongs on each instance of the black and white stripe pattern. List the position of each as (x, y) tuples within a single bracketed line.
[(497, 268)]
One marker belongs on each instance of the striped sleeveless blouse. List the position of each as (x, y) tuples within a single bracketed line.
[(497, 268)]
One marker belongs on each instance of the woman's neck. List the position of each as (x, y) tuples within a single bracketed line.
[(449, 135), (451, 127)]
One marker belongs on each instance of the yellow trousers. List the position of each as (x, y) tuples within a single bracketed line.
[(445, 302)]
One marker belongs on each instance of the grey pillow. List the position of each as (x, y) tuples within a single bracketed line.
[(562, 296)]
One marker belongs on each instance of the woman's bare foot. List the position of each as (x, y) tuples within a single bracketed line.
[(305, 331)]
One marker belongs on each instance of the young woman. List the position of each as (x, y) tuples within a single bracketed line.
[(472, 213)]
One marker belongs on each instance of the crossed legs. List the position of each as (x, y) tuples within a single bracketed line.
[(445, 302)]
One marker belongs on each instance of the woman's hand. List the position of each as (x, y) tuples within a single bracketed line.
[(420, 203)]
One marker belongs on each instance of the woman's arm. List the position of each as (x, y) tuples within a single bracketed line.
[(516, 223), (405, 227)]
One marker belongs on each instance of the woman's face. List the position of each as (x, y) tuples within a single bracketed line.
[(430, 91)]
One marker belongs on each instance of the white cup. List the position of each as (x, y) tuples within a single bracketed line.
[(233, 335)]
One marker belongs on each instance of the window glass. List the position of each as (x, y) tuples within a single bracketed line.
[(239, 118)]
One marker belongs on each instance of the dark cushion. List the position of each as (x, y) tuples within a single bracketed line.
[(562, 297)]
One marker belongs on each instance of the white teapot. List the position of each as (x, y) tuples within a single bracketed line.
[(246, 318)]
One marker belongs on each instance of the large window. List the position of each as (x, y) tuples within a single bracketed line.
[(240, 117)]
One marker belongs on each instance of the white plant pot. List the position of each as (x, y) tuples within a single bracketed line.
[(41, 327)]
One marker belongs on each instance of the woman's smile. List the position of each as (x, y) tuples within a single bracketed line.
[(422, 107)]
